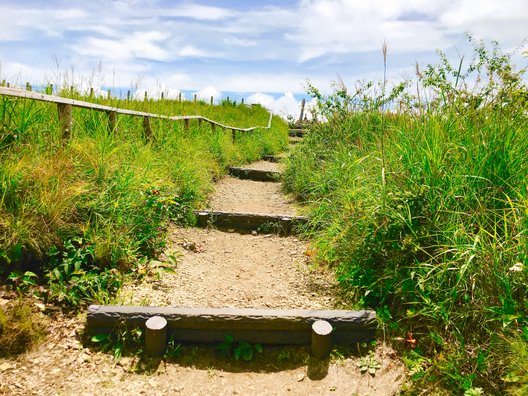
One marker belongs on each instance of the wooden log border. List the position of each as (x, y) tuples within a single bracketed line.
[(64, 109), (244, 222), (209, 325), (255, 174)]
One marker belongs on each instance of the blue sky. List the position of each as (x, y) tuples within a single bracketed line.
[(253, 47)]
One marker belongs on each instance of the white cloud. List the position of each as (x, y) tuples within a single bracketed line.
[(207, 92), (285, 106)]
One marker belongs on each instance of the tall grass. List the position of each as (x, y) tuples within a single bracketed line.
[(424, 214), (81, 214)]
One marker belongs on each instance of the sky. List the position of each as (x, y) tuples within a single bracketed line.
[(264, 50)]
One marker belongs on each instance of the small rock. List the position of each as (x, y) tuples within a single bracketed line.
[(6, 366), (301, 377), (254, 232), (40, 306), (3, 301)]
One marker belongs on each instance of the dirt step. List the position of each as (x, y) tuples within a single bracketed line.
[(297, 132), (295, 139), (255, 174), (267, 326), (247, 222)]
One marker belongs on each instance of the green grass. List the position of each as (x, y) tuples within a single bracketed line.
[(423, 213), (81, 213)]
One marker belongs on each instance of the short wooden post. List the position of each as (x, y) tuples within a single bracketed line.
[(8, 85), (147, 128), (146, 96), (233, 135), (109, 94), (156, 336), (3, 83), (200, 122), (28, 86), (91, 92), (211, 100), (213, 126), (162, 96), (51, 89), (303, 103), (242, 101), (187, 124), (71, 90), (65, 119), (179, 97), (194, 98), (112, 121), (128, 94), (321, 339)]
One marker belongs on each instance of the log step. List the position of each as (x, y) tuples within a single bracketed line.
[(295, 140), (297, 132), (255, 174), (266, 326), (263, 223), (272, 158)]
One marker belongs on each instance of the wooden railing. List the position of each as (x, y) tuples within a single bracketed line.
[(64, 106)]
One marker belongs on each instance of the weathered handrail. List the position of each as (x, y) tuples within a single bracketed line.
[(65, 104)]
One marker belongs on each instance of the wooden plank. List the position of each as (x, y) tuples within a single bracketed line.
[(247, 222), (297, 132), (267, 326), (13, 92), (255, 174)]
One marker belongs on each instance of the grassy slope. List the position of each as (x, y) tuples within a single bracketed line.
[(424, 215), (83, 212)]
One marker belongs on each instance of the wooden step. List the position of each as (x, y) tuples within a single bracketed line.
[(266, 326), (255, 174), (295, 140), (297, 132), (247, 222), (272, 158)]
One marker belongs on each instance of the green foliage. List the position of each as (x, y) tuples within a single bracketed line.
[(368, 364), (82, 214), (238, 349), (20, 328), (121, 342), (423, 211)]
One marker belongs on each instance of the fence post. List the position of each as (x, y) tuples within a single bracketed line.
[(187, 124), (65, 119), (28, 86), (3, 83), (71, 90), (108, 93), (242, 101), (146, 97), (194, 98), (128, 94), (213, 126), (179, 97), (233, 135), (200, 122), (302, 110), (147, 128), (162, 96), (91, 92), (211, 100), (112, 121)]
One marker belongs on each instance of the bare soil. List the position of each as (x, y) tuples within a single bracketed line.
[(211, 268)]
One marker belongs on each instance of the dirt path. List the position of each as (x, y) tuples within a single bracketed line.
[(212, 269)]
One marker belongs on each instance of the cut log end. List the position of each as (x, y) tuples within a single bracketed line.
[(321, 338), (156, 336)]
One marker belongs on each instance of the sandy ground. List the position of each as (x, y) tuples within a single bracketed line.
[(211, 269)]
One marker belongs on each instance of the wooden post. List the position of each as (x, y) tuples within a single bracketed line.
[(128, 94), (28, 86), (146, 97), (108, 93), (233, 134), (8, 85), (91, 92), (242, 101), (3, 83), (302, 110), (194, 98), (71, 90), (211, 100), (179, 97), (112, 121), (156, 336), (65, 119), (146, 128), (213, 126), (162, 96), (321, 338), (200, 122), (187, 124)]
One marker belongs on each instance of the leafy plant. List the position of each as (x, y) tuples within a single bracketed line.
[(368, 363), (238, 349)]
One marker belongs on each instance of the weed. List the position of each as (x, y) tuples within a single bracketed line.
[(20, 328), (238, 349), (368, 364)]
